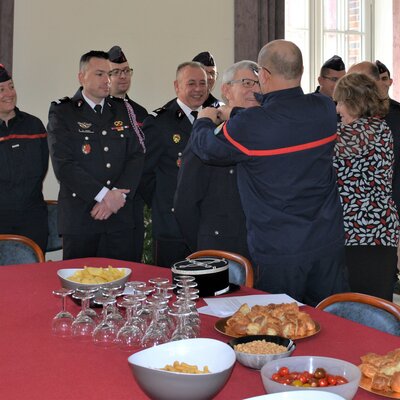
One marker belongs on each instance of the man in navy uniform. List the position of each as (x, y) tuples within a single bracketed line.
[(121, 74), (207, 203), (98, 161), (331, 71), (283, 151), (206, 58), (166, 137)]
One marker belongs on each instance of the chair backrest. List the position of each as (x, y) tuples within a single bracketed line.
[(17, 249), (365, 309), (54, 241), (240, 268)]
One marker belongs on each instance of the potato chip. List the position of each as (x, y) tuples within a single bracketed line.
[(95, 276)]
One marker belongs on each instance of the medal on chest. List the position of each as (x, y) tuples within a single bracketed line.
[(86, 148)]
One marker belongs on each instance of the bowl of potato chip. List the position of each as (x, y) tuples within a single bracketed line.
[(190, 368), (93, 277)]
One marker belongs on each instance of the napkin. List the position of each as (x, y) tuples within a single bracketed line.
[(226, 306)]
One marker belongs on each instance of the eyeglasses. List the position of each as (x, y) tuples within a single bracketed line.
[(119, 72), (257, 70), (246, 83), (333, 79)]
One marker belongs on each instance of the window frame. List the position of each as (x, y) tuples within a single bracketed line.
[(317, 40)]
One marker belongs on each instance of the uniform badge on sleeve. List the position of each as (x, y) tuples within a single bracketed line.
[(86, 148), (176, 138)]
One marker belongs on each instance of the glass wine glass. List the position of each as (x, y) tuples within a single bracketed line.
[(157, 332), (62, 323), (164, 289), (84, 325), (192, 321), (87, 309), (113, 314), (129, 337), (182, 330), (133, 286), (105, 333), (145, 312)]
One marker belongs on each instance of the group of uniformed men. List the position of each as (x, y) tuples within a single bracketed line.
[(222, 184)]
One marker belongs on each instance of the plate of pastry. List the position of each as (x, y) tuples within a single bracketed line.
[(381, 373), (284, 320)]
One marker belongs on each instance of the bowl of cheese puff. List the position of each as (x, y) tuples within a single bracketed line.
[(194, 369)]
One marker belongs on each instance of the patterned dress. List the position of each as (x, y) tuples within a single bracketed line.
[(364, 164)]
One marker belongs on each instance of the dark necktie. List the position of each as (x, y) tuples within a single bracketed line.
[(97, 108), (194, 113)]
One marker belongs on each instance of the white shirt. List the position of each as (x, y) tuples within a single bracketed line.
[(187, 110)]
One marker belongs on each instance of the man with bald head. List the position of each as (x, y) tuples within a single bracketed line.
[(283, 151)]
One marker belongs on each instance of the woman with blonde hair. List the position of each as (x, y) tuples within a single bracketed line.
[(364, 164)]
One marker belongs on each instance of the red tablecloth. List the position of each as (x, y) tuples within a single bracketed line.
[(35, 365)]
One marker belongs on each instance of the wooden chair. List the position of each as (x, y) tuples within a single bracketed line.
[(365, 309), (54, 241), (17, 249), (240, 268)]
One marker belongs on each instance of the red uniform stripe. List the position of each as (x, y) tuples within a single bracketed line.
[(282, 150), (23, 136)]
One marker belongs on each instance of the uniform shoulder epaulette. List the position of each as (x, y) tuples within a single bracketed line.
[(65, 99), (158, 111)]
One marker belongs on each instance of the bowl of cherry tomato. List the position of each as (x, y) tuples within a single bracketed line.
[(311, 373)]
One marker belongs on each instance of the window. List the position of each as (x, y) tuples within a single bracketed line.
[(322, 28)]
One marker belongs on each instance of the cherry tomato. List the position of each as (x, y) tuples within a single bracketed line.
[(304, 377), (319, 373), (332, 380), (341, 380), (313, 382), (293, 376), (283, 371), (323, 382), (275, 377)]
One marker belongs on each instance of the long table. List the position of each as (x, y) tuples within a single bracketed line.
[(34, 364)]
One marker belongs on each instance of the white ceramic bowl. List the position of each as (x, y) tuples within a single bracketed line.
[(257, 361), (299, 395), (333, 366), (165, 385), (64, 274)]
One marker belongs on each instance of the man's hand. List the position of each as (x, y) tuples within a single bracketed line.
[(224, 113), (115, 199), (100, 211), (210, 112)]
